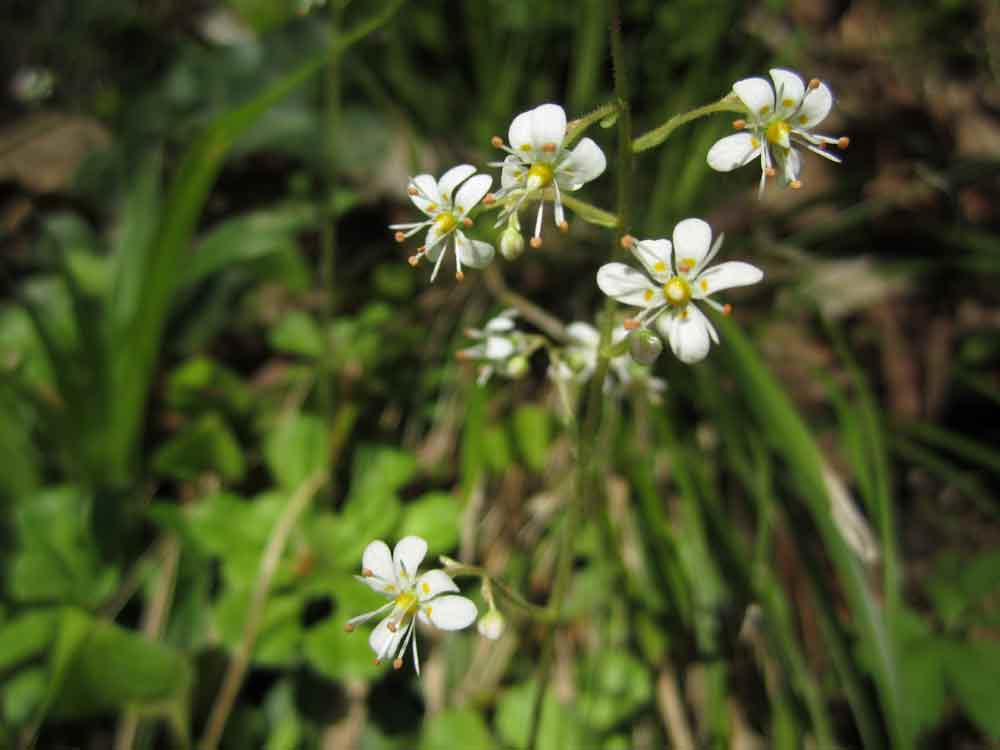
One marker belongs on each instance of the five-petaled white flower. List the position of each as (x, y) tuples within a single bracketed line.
[(499, 348), (411, 597), (446, 209), (677, 276), (778, 119), (537, 160)]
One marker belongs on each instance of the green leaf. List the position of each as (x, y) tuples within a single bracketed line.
[(531, 432), (436, 517), (201, 384), (26, 635), (333, 652), (298, 333), (922, 674), (56, 558), (380, 470), (298, 448), (23, 694), (559, 727), (456, 727), (280, 636), (618, 684), (206, 445), (973, 671)]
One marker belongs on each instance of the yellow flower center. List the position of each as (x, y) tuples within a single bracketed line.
[(446, 222), (539, 176), (677, 291), (406, 602), (777, 132)]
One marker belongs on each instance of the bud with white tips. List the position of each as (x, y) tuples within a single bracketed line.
[(511, 243), (492, 625)]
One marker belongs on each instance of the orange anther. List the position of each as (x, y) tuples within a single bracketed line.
[(413, 260), (391, 627), (795, 184), (399, 236), (397, 663), (377, 661), (814, 83), (535, 242), (549, 148), (412, 191), (348, 628), (843, 142), (770, 171), (459, 275), (467, 222), (496, 141), (739, 124), (628, 241), (631, 324), (727, 309), (489, 199), (367, 572), (564, 226)]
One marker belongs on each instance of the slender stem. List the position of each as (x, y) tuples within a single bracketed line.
[(533, 611), (531, 312), (255, 614), (589, 426), (658, 135), (577, 127)]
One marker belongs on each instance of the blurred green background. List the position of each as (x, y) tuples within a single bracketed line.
[(204, 317)]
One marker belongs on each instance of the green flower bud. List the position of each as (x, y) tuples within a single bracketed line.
[(517, 366), (644, 346), (511, 243)]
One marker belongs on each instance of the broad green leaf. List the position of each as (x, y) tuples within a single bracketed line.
[(23, 693), (297, 448), (330, 650), (298, 333), (26, 635), (617, 685), (922, 672), (204, 446), (339, 539), (56, 558), (379, 470), (456, 727), (559, 726), (280, 636), (973, 671), (436, 517), (201, 384)]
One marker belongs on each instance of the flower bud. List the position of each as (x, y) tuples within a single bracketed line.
[(644, 346), (517, 366), (491, 625), (511, 243)]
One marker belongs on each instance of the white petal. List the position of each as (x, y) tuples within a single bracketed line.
[(473, 252), (434, 582), (377, 559), (726, 276), (788, 89), (585, 162), (689, 333), (757, 95), (733, 151), (384, 641), (627, 285), (655, 256), (513, 173), (471, 193), (501, 323), (815, 106), (451, 179), (428, 199), (791, 164), (369, 615), (519, 135), (548, 128), (436, 242), (407, 556), (450, 612), (692, 241), (498, 347)]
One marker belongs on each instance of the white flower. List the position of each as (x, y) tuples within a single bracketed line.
[(677, 276), (537, 160), (501, 348), (580, 360), (778, 119), (446, 210), (491, 625), (411, 597)]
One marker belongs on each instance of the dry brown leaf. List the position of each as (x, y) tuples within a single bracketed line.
[(43, 150)]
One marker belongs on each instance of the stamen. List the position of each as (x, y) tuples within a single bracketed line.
[(367, 572), (549, 148), (412, 191), (397, 663), (414, 260), (399, 236), (739, 124), (631, 324), (770, 171), (628, 241), (391, 627), (814, 83), (843, 142), (564, 226), (378, 661), (727, 309), (459, 276), (467, 222), (795, 184), (496, 141), (489, 199), (348, 627), (535, 242)]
